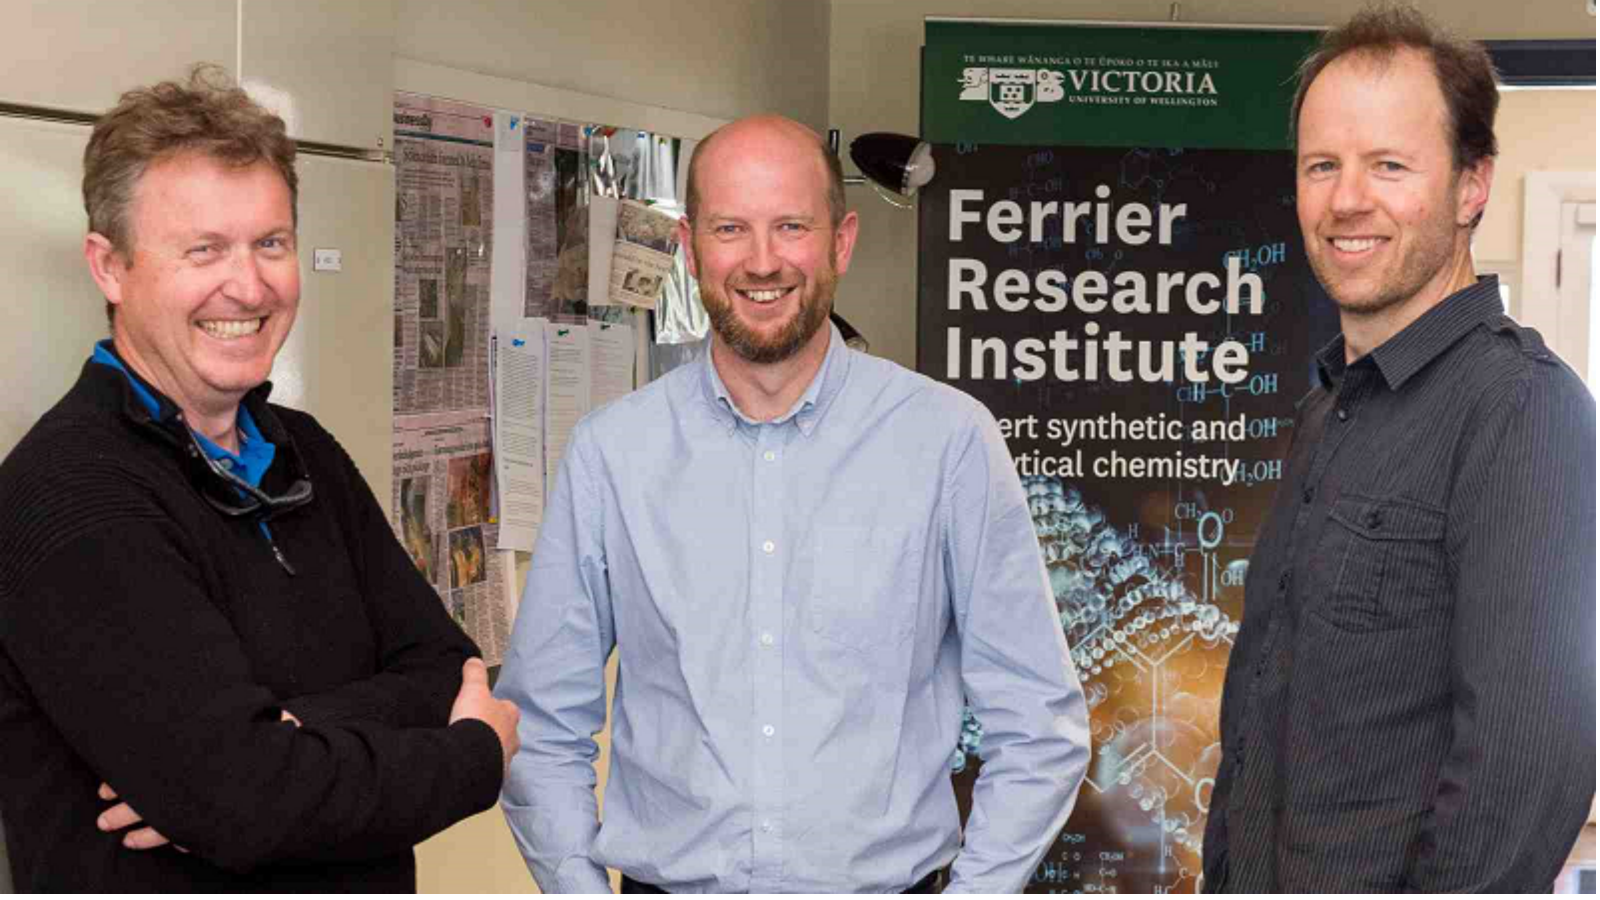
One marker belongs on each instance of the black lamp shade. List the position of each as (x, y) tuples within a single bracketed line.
[(852, 337), (895, 161)]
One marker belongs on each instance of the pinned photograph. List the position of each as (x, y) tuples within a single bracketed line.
[(469, 490), (430, 345), (415, 534), (428, 298), (468, 563)]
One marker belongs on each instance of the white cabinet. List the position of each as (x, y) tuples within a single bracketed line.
[(54, 312), (338, 361), (326, 66), (82, 54)]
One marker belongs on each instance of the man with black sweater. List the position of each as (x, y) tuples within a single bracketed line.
[(218, 669)]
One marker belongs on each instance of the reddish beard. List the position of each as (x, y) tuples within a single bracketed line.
[(762, 349)]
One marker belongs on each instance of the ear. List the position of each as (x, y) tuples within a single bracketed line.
[(844, 242), (107, 265), (686, 241), (1472, 191)]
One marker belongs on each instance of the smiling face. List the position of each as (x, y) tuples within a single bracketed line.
[(763, 246), (1385, 215), (208, 291)]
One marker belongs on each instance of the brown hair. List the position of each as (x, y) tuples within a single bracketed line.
[(1463, 69), (830, 160), (209, 115)]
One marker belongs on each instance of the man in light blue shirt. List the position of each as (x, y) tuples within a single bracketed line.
[(805, 558)]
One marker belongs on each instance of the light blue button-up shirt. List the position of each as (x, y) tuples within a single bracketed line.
[(798, 607)]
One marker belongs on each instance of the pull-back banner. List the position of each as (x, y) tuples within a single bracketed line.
[(1110, 259)]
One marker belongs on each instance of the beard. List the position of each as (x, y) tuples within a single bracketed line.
[(1370, 293), (816, 301)]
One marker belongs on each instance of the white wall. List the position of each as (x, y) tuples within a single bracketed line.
[(721, 58), (875, 48), (1539, 131)]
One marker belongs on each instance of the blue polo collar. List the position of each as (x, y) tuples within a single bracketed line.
[(255, 452)]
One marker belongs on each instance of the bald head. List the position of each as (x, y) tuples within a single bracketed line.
[(764, 134)]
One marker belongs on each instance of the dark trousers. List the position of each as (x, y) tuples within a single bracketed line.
[(931, 883)]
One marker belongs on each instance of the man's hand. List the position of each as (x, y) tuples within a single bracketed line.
[(474, 701), (123, 816)]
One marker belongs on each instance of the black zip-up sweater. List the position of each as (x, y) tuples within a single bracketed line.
[(148, 641)]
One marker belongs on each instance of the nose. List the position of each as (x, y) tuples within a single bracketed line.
[(1350, 193), (245, 284), (763, 261)]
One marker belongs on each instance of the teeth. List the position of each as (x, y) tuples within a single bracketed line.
[(1355, 245), (765, 296), (227, 329)]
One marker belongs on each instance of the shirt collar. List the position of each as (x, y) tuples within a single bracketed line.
[(806, 411), (1421, 342), (106, 355), (255, 451)]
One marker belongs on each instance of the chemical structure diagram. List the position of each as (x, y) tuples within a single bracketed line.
[(1150, 652)]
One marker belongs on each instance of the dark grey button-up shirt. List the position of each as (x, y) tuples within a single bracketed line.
[(1410, 702)]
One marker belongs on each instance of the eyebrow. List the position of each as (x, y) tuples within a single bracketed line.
[(1379, 153), (278, 231), (781, 217)]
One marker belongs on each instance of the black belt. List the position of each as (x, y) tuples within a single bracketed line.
[(931, 883)]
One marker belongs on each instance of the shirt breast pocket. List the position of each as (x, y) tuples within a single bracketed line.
[(1391, 570), (864, 586)]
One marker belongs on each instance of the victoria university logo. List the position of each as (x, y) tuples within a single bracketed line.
[(1011, 92)]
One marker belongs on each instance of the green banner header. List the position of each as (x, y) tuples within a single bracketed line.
[(1108, 86)]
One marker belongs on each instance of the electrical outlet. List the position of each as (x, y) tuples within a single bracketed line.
[(323, 260)]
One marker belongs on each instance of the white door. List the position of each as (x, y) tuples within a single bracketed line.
[(1575, 282)]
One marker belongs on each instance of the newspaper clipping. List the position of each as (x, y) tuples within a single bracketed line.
[(444, 195), (442, 486), (647, 238), (569, 285), (539, 181)]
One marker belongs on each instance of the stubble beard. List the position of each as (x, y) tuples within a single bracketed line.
[(1428, 255)]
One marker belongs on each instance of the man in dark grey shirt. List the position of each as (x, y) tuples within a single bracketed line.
[(1410, 702)]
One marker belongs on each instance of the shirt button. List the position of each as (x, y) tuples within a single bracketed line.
[(766, 827), (768, 730), (766, 640), (769, 546), (1309, 493), (769, 456), (1283, 582), (225, 462), (1343, 414)]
